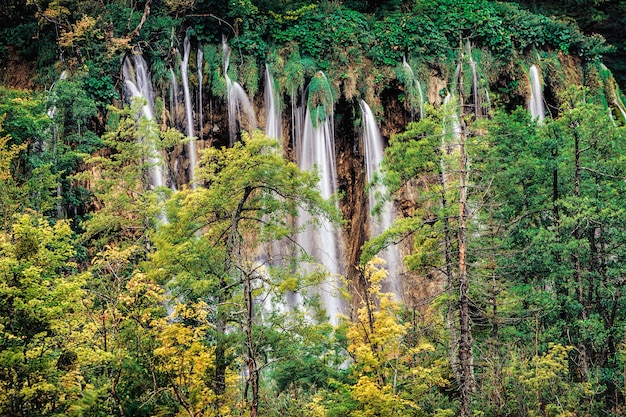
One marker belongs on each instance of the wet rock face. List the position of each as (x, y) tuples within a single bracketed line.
[(354, 205)]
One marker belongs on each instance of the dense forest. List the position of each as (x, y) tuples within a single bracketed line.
[(312, 208)]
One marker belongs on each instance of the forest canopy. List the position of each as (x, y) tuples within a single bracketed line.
[(312, 208)]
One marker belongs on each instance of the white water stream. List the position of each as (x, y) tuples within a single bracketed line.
[(273, 120), (535, 102), (138, 84), (240, 110), (191, 147), (374, 153), (316, 150)]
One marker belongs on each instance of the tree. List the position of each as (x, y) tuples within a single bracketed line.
[(40, 317), (29, 182), (211, 250), (431, 157), (126, 312), (551, 195)]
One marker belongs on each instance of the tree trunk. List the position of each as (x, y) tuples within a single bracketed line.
[(465, 336), (253, 372), (450, 319), (583, 360), (220, 355), (466, 384)]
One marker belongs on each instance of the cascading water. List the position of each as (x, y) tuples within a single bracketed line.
[(414, 89), (317, 151), (199, 61), (374, 152), (184, 71), (451, 130), (477, 103), (238, 102), (297, 123), (480, 96), (52, 111), (174, 94), (273, 122), (138, 84), (273, 126), (535, 103), (620, 106), (612, 87)]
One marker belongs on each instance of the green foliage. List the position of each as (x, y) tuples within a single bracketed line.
[(557, 181), (320, 32), (394, 372), (25, 130), (208, 249), (25, 116), (40, 309), (320, 99), (397, 35), (546, 201), (291, 72), (129, 208), (414, 155)]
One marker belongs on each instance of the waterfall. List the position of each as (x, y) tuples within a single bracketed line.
[(297, 123), (373, 145), (174, 94), (475, 95), (535, 103), (138, 84), (611, 87), (477, 104), (413, 88), (619, 105), (239, 105), (184, 71), (199, 60), (273, 122), (52, 111), (317, 151), (451, 126)]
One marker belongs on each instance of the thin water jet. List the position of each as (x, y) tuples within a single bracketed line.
[(191, 147), (414, 88)]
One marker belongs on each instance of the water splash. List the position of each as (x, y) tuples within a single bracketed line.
[(240, 109), (374, 152), (273, 123), (535, 102)]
